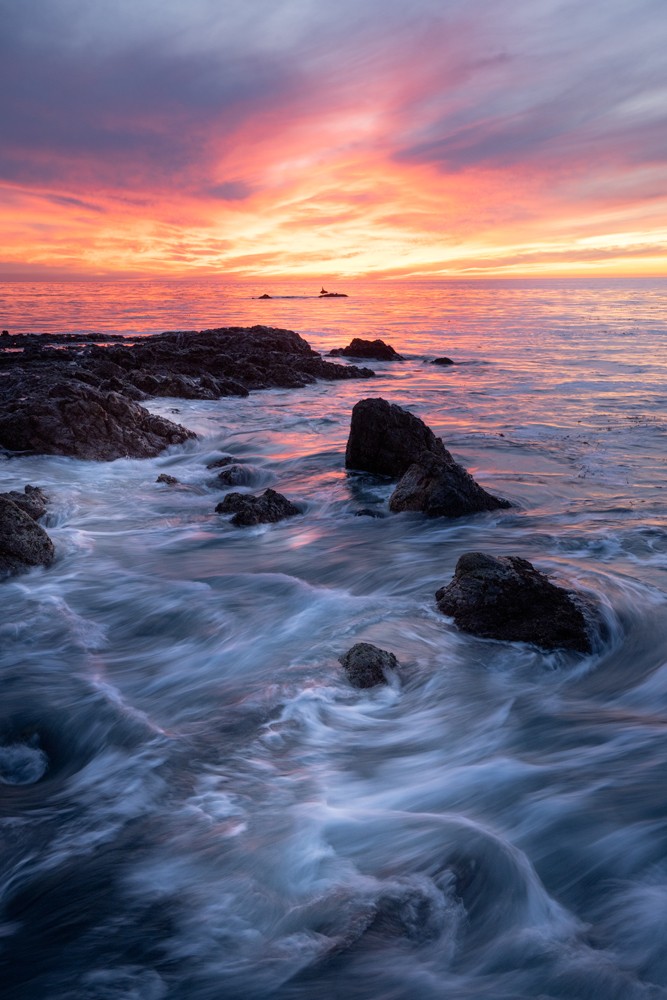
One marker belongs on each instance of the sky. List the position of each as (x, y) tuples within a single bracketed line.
[(454, 138)]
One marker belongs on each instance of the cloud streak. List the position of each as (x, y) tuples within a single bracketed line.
[(383, 139)]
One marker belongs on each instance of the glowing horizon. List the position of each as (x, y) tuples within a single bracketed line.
[(283, 139)]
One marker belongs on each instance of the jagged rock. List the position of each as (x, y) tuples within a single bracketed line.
[(440, 487), (23, 543), (32, 501), (265, 509), (83, 422), (366, 665), (358, 348), (167, 480), (386, 439), (505, 597)]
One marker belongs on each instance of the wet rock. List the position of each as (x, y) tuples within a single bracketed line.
[(368, 512), (440, 487), (224, 460), (238, 475), (23, 543), (386, 439), (505, 597), (375, 349), (265, 509), (442, 361), (167, 480), (78, 420), (264, 296), (32, 501), (367, 665)]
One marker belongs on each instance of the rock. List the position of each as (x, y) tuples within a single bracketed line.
[(23, 543), (368, 512), (264, 296), (167, 480), (367, 665), (83, 422), (386, 439), (506, 598), (440, 487), (238, 475), (358, 348), (442, 361), (224, 460), (265, 509), (32, 501)]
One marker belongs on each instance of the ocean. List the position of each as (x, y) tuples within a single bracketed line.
[(194, 802)]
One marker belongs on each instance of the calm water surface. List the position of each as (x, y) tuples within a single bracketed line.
[(193, 801)]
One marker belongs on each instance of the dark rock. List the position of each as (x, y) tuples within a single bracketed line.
[(265, 509), (80, 421), (386, 439), (441, 487), (23, 543), (442, 361), (221, 462), (264, 296), (368, 512), (238, 475), (506, 598), (367, 665), (167, 480), (358, 348), (32, 501)]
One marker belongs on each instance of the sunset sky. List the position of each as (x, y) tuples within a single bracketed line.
[(294, 137)]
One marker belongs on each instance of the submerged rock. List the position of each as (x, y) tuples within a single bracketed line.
[(239, 475), (366, 665), (23, 542), (358, 348), (442, 361), (167, 480), (505, 597), (387, 440), (265, 509)]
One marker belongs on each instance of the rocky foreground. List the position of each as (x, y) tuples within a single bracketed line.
[(66, 395)]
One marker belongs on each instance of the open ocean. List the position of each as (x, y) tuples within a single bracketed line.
[(198, 806)]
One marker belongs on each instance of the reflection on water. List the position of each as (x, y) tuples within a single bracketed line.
[(193, 801)]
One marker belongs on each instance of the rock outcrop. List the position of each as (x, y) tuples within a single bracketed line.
[(265, 509), (387, 440), (23, 542), (33, 501), (505, 597), (371, 349), (367, 665)]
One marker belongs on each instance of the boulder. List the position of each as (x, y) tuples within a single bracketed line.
[(265, 509), (440, 487), (78, 420), (23, 543), (505, 597), (386, 439), (167, 479), (367, 665), (238, 475), (442, 361), (32, 501), (375, 349)]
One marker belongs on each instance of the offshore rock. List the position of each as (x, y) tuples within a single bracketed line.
[(366, 665), (442, 361), (83, 422), (440, 487), (375, 349), (505, 597), (23, 543), (32, 501), (239, 475), (265, 509), (387, 440)]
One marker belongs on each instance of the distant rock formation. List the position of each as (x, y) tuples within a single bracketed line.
[(387, 440), (265, 509), (23, 543), (367, 665), (505, 597), (375, 349)]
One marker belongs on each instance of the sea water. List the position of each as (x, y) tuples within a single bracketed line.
[(195, 803)]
